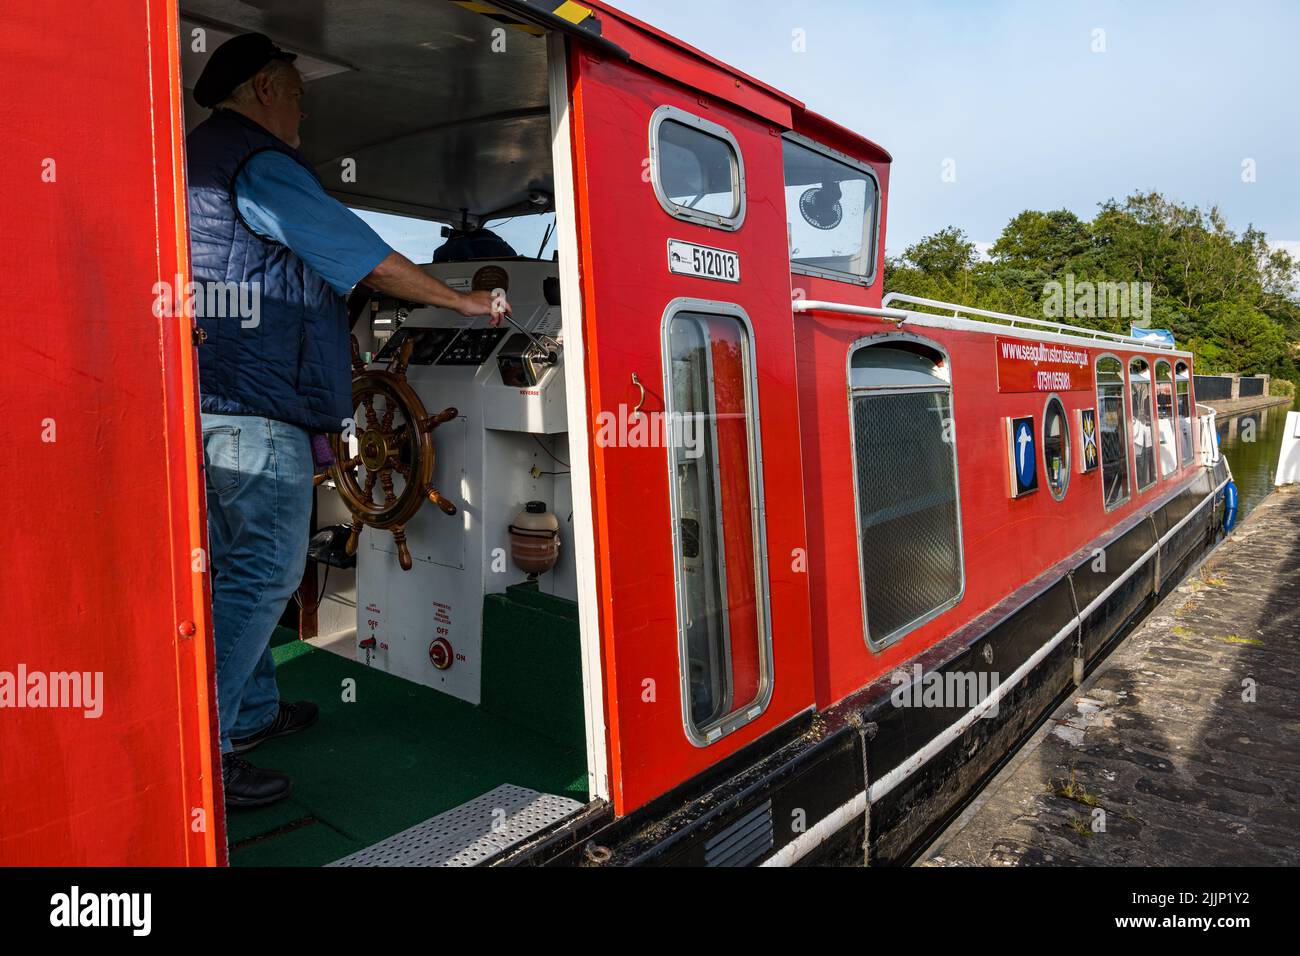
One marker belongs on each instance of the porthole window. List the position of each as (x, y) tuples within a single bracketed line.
[(696, 169), (1056, 448)]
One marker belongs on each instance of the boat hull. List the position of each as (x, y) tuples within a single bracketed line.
[(802, 797)]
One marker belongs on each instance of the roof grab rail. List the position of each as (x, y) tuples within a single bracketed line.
[(897, 316), (958, 311)]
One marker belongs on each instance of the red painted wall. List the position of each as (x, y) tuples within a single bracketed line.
[(1006, 542), (623, 233), (100, 522)]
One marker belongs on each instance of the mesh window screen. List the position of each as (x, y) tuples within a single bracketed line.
[(907, 507)]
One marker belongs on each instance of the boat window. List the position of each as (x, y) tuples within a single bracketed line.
[(1056, 448), (1183, 381), (717, 505), (830, 213), (696, 169), (1165, 420), (1114, 434), (905, 475), (1144, 439)]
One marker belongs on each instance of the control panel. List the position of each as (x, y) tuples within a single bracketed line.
[(429, 344), (472, 347)]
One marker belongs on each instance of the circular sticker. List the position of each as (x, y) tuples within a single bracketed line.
[(491, 278)]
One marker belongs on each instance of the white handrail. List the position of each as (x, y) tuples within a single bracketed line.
[(815, 305), (959, 310)]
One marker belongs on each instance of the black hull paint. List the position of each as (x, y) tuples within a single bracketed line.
[(769, 795)]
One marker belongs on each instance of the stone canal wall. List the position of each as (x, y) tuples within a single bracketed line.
[(1181, 748)]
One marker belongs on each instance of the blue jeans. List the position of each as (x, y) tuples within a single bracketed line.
[(259, 478)]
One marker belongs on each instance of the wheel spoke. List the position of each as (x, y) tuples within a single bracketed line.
[(386, 479)]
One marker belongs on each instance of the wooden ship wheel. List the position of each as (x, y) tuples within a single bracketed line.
[(391, 475)]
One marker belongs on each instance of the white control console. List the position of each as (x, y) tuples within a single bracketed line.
[(508, 446)]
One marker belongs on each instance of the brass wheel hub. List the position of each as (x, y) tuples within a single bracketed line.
[(374, 450)]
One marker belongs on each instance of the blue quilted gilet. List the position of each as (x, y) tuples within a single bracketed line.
[(295, 364)]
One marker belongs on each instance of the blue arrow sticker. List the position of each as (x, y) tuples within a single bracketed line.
[(1024, 456)]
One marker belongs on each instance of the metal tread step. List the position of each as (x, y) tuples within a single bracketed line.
[(470, 833)]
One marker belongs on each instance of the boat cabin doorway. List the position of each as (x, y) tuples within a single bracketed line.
[(438, 623)]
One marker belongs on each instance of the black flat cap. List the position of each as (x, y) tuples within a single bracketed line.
[(234, 62)]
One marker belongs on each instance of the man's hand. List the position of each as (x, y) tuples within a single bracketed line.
[(485, 303)]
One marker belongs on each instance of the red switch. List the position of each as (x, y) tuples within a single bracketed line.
[(440, 654)]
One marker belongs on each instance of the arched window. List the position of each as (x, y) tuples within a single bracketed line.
[(1144, 436), (1165, 419), (905, 474), (1114, 431), (1183, 382)]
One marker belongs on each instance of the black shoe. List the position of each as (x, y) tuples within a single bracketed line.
[(249, 786), (291, 719)]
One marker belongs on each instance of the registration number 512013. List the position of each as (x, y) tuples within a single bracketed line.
[(704, 262)]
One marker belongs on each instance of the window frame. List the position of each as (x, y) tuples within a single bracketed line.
[(1124, 422), (708, 128), (734, 719), (830, 153), (1067, 438), (883, 339), (1186, 450), (1155, 399), (1150, 422)]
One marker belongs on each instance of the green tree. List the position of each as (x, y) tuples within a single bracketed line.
[(1230, 298)]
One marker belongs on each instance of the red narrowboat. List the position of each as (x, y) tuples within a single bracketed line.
[(712, 554)]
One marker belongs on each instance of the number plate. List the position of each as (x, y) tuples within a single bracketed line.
[(704, 262)]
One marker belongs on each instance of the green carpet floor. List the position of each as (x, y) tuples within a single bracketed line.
[(399, 754)]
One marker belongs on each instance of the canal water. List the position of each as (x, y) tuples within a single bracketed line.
[(1252, 443)]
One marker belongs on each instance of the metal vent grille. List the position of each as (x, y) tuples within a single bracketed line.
[(907, 507), (742, 842), (470, 833)]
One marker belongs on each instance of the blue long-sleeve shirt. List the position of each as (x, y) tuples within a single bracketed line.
[(279, 199)]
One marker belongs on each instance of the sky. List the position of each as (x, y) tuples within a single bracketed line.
[(1033, 106)]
